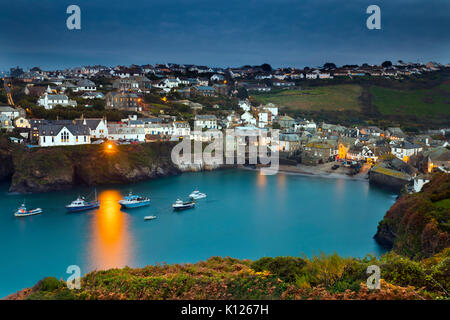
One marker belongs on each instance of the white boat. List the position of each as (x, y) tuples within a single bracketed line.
[(149, 217), (23, 212), (197, 195), (80, 204), (134, 201), (181, 205)]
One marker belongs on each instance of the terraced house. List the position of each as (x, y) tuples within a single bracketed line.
[(205, 121)]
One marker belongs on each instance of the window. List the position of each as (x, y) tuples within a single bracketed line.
[(65, 137)]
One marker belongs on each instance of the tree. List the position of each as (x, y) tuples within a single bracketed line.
[(386, 64), (276, 125), (329, 65), (266, 67), (242, 93)]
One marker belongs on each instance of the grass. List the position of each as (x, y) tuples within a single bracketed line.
[(445, 204), (333, 97), (422, 102)]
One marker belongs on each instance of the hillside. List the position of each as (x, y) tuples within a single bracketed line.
[(321, 277), (418, 225), (413, 103), (432, 102), (333, 97)]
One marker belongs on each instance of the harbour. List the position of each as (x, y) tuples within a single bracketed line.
[(246, 215)]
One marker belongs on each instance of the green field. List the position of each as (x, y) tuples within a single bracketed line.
[(423, 102), (333, 97)]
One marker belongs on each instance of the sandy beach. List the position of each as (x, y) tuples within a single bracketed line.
[(322, 170)]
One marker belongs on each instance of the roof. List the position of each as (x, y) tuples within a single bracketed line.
[(136, 122), (406, 145), (55, 129), (7, 109), (439, 154), (57, 97), (285, 118), (204, 88), (151, 120), (205, 117), (85, 83), (125, 130), (181, 124)]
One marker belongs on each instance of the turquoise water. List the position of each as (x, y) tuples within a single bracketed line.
[(246, 215)]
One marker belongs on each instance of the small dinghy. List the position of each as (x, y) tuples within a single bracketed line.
[(23, 212), (149, 217), (182, 205), (197, 195)]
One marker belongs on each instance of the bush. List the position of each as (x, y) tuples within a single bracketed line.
[(402, 271), (49, 284), (286, 268)]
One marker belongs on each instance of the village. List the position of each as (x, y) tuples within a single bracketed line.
[(172, 102)]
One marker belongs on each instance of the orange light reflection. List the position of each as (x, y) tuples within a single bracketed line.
[(261, 180), (111, 238)]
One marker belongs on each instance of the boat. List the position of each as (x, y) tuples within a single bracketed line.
[(23, 212), (197, 195), (80, 204), (181, 205), (149, 217), (134, 201)]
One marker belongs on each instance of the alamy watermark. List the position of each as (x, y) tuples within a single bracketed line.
[(74, 281), (258, 146), (73, 21), (374, 20), (373, 282)]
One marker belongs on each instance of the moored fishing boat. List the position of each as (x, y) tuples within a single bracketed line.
[(182, 205), (80, 204), (134, 201), (23, 212), (149, 217)]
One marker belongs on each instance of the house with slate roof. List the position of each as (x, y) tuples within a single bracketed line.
[(49, 101), (85, 85), (52, 135)]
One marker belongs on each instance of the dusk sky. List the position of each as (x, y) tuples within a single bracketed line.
[(222, 33)]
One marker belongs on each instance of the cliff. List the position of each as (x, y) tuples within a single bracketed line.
[(321, 277), (6, 163), (48, 169), (418, 225)]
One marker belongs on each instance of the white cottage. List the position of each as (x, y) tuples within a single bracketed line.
[(124, 132), (51, 135), (49, 101)]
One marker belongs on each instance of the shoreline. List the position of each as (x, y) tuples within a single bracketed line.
[(320, 171)]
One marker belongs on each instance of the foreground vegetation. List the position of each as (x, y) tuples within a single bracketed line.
[(321, 277)]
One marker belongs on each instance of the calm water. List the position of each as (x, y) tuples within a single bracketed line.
[(246, 215)]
